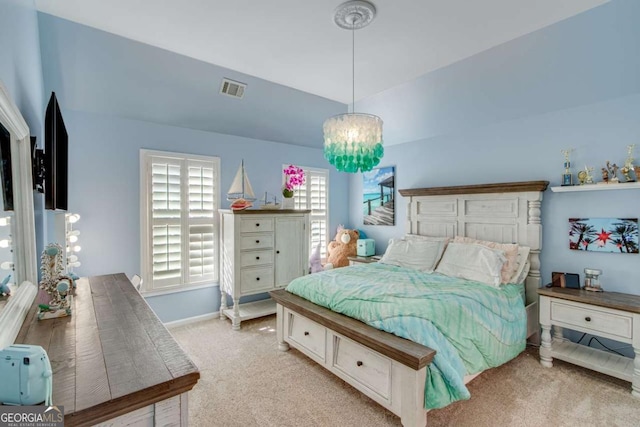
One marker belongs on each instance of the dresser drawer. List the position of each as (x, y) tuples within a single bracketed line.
[(363, 365), (253, 258), (256, 241), (256, 225), (255, 279), (308, 334), (591, 318)]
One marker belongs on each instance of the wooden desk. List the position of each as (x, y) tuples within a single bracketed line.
[(113, 358)]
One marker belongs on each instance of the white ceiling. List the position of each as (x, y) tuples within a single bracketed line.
[(296, 43)]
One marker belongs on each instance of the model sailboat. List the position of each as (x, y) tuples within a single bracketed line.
[(241, 192)]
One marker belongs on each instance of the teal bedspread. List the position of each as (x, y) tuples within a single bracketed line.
[(471, 326)]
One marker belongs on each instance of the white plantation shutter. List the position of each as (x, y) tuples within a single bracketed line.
[(179, 219), (314, 195)]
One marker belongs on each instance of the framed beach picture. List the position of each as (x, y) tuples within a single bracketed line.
[(617, 235), (378, 204)]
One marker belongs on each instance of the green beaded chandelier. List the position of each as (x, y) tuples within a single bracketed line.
[(353, 141)]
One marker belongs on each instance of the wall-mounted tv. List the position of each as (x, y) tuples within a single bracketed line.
[(5, 169), (56, 160)]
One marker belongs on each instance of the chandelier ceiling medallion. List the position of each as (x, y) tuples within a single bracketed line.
[(353, 141)]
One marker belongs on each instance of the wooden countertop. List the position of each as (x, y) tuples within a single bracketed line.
[(112, 356)]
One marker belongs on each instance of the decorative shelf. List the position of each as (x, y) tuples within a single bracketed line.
[(597, 187)]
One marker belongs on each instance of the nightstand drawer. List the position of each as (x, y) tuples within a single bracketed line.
[(256, 225), (257, 241), (308, 334), (251, 258), (590, 317)]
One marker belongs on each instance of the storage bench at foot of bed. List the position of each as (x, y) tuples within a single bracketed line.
[(389, 369)]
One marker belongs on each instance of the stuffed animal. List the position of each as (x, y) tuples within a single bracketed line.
[(344, 246), (315, 264)]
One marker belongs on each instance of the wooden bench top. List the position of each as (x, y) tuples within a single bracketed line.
[(112, 355), (409, 353)]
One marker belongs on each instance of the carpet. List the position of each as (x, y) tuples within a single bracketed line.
[(246, 381)]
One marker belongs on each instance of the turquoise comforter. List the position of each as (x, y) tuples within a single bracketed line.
[(471, 326)]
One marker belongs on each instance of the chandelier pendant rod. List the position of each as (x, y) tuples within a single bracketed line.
[(353, 67)]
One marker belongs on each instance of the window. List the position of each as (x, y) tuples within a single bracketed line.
[(314, 195), (179, 202)]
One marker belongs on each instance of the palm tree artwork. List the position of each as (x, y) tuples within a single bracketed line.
[(617, 235)]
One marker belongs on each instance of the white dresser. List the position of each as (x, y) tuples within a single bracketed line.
[(261, 250)]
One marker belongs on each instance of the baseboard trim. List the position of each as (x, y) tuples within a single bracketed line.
[(194, 319)]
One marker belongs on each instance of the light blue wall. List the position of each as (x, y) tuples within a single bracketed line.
[(95, 71), (118, 96), (104, 188), (505, 114), (21, 73)]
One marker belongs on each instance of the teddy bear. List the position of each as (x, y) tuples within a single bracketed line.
[(344, 246)]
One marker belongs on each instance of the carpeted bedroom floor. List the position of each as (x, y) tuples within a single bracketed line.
[(245, 381)]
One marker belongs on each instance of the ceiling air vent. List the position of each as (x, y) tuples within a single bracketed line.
[(232, 88)]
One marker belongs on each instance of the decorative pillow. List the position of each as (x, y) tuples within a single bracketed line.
[(522, 261), (472, 262), (524, 272), (444, 240), (510, 253), (420, 255)]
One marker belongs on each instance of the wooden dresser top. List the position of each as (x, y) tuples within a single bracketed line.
[(614, 300), (112, 355)]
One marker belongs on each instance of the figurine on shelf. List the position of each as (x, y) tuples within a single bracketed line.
[(567, 177), (628, 164), (589, 177), (610, 174), (613, 173)]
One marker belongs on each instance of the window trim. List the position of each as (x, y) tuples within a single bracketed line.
[(146, 221), (327, 173)]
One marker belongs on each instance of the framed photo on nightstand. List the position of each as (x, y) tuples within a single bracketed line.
[(565, 280)]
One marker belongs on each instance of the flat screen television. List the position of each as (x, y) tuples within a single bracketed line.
[(5, 168), (56, 150)]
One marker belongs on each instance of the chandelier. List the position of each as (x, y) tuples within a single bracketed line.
[(353, 141)]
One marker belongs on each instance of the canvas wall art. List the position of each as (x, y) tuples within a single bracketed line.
[(378, 189), (617, 235)]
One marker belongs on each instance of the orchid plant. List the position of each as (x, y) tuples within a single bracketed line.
[(293, 178)]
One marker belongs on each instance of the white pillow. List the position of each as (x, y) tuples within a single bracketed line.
[(444, 240), (420, 255), (522, 261), (472, 262)]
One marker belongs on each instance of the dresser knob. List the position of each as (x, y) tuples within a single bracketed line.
[(588, 319), (257, 241), (257, 278), (277, 252), (257, 224), (257, 257), (359, 363), (306, 333)]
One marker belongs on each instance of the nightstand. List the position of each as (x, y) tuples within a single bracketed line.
[(353, 260), (604, 314)]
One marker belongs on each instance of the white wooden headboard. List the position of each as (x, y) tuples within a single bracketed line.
[(505, 213)]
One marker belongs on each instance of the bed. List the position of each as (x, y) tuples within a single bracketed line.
[(394, 371)]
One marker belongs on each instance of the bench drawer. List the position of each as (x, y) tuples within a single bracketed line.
[(308, 334), (363, 365)]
